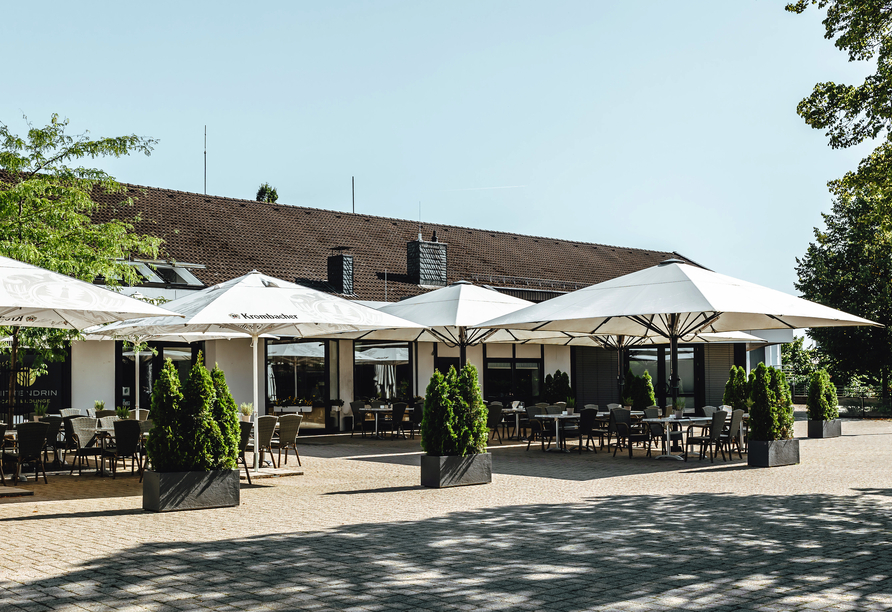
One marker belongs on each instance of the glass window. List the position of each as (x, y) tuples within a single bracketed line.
[(499, 379), (295, 372), (519, 379), (527, 380), (643, 360), (382, 370)]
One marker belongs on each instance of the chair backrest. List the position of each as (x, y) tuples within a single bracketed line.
[(147, 425), (2, 435), (496, 404), (590, 407), (553, 409), (541, 405), (31, 439), (736, 420), (289, 427), (718, 424), (652, 412), (266, 426), (494, 418), (613, 406), (140, 415), (52, 432), (656, 429), (708, 410), (417, 413), (84, 429), (70, 412), (375, 403), (399, 411), (357, 408), (90, 412), (246, 428), (105, 413), (127, 435), (587, 419), (561, 404), (107, 422)]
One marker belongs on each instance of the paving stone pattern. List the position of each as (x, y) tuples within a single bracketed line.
[(553, 531)]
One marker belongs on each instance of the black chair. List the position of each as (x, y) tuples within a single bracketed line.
[(415, 418), (587, 428), (247, 427), (396, 423), (494, 420), (359, 414), (52, 436), (128, 436), (626, 433), (29, 449), (711, 440), (539, 428)]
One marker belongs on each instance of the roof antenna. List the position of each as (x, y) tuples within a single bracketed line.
[(205, 159), (419, 221), (353, 184)]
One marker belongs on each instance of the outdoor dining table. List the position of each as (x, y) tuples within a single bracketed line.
[(667, 421), (516, 412), (382, 410), (562, 416)]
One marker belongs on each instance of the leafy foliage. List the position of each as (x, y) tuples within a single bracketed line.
[(823, 404), (225, 413), (454, 421), (848, 267), (771, 407), (46, 217), (799, 362), (267, 193), (557, 388), (852, 114), (736, 389), (186, 436), (640, 389)]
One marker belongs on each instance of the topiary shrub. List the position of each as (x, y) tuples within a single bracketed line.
[(454, 421), (771, 413), (641, 390), (736, 389), (186, 436), (225, 413), (783, 404), (823, 404)]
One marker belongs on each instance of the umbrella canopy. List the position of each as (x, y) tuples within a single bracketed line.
[(450, 316), (258, 304), (675, 301), (34, 297)]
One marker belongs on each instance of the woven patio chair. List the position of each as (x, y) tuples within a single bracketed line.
[(359, 414), (494, 420), (67, 412), (31, 438), (263, 441), (128, 437), (246, 428), (731, 435), (289, 428), (105, 413), (628, 434), (709, 441), (84, 433)]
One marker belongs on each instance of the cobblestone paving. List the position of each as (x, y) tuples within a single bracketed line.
[(557, 532)]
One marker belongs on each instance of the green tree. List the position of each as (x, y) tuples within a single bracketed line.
[(267, 193), (848, 267), (167, 398), (852, 114), (225, 414), (736, 389), (763, 416), (454, 421), (470, 413), (798, 361), (201, 440), (47, 210), (823, 404)]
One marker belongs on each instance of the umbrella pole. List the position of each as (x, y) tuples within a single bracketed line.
[(462, 354), (673, 367), (256, 340), (136, 381)]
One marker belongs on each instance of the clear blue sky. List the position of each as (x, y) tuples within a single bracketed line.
[(654, 124)]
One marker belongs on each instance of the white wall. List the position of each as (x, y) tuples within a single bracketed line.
[(345, 370), (474, 355), (235, 359), (93, 373), (557, 358), (425, 365)]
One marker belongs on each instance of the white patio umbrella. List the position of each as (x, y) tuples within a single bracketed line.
[(675, 301), (257, 304), (31, 296), (451, 315)]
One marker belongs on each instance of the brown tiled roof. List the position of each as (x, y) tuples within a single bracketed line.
[(232, 237)]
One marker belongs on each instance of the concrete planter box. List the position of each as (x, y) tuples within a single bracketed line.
[(773, 453), (167, 491), (825, 429), (440, 471)]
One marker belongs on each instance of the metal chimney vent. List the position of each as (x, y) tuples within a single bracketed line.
[(426, 263), (340, 273)]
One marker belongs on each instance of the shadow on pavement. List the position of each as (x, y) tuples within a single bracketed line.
[(697, 551)]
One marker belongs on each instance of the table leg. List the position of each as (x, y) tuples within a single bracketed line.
[(557, 438), (668, 454)]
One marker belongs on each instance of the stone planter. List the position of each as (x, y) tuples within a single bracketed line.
[(167, 491), (773, 453), (825, 429), (438, 471)]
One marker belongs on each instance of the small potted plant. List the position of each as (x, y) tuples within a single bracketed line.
[(823, 409), (246, 410), (98, 405), (40, 409), (771, 420), (628, 402), (678, 405), (194, 443), (123, 412), (453, 431)]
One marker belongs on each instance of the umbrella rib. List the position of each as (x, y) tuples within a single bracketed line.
[(446, 340), (601, 324), (779, 320)]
